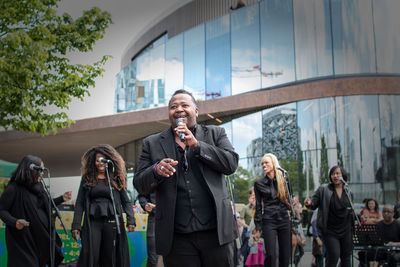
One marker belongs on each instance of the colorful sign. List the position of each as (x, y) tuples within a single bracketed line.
[(70, 248)]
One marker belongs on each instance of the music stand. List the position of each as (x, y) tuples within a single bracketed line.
[(366, 238), (365, 235)]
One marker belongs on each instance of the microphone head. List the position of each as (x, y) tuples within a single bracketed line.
[(179, 121), (104, 160), (33, 166)]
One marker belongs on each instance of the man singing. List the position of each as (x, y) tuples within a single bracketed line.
[(185, 165)]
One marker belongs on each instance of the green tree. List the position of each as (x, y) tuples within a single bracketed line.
[(242, 181), (35, 70), (324, 169), (291, 166)]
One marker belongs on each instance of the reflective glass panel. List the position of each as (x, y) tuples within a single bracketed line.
[(157, 74), (173, 65), (279, 131), (359, 145), (309, 124), (194, 62), (389, 110), (277, 47), (218, 58), (143, 79), (313, 38), (387, 35), (245, 34), (389, 172), (353, 39), (247, 139), (119, 106)]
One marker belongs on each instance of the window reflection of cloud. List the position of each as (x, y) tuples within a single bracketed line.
[(387, 25), (313, 38), (353, 37)]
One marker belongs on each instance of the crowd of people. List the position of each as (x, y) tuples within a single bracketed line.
[(180, 178)]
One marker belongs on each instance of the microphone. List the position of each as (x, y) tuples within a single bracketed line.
[(33, 166), (104, 160), (343, 181), (179, 121), (281, 169)]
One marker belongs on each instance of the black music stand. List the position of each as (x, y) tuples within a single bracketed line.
[(367, 240), (365, 235)]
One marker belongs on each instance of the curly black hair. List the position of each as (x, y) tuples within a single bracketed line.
[(89, 170)]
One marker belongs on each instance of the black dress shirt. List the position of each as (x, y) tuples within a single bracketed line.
[(195, 209), (268, 204)]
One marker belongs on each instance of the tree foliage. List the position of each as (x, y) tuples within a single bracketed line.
[(242, 180), (35, 71)]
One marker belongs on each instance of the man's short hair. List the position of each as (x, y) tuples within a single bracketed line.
[(183, 91), (388, 206)]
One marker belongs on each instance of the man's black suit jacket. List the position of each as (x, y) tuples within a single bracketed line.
[(216, 157)]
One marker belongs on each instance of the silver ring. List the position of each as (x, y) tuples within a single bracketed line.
[(162, 167)]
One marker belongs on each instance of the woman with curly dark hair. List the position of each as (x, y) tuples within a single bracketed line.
[(101, 244), (371, 213), (24, 207)]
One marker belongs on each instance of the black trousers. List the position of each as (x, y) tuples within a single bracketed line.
[(199, 249), (103, 234), (152, 257), (271, 230), (338, 247)]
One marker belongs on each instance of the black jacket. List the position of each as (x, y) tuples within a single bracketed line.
[(217, 158), (321, 200), (122, 204), (31, 245)]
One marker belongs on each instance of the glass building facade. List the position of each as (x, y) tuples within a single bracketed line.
[(277, 42)]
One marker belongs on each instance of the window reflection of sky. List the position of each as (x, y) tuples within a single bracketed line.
[(353, 38), (245, 130), (387, 37), (313, 38), (245, 49), (173, 65), (194, 62), (277, 53), (218, 78), (389, 110)]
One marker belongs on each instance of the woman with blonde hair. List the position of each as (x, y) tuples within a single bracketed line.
[(272, 215)]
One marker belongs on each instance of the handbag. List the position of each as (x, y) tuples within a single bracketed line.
[(301, 240), (316, 249)]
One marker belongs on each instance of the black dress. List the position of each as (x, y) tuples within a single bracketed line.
[(84, 205), (31, 245)]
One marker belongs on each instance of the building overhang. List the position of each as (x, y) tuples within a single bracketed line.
[(62, 152)]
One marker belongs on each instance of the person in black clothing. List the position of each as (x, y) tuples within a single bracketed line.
[(389, 231), (186, 166), (101, 244), (272, 216), (147, 204), (24, 207), (334, 218), (397, 207)]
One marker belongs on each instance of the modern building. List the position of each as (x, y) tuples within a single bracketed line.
[(315, 81)]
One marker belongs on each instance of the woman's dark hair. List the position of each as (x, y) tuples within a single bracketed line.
[(376, 209), (89, 170), (334, 168), (24, 175)]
